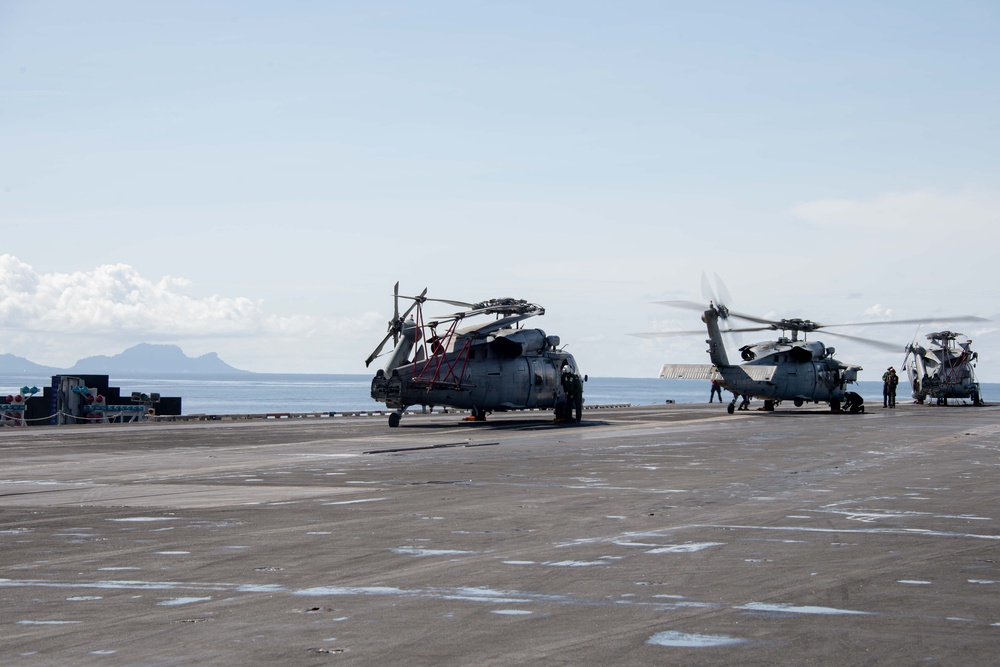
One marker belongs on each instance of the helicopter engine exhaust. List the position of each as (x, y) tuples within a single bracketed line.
[(509, 345), (800, 355)]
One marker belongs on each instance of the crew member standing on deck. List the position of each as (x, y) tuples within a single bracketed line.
[(578, 396), (885, 387), (716, 389), (564, 407), (893, 383), (573, 388), (889, 382)]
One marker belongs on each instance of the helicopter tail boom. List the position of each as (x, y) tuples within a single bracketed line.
[(716, 348)]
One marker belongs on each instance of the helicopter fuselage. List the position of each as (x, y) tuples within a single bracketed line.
[(943, 370), (802, 370), (786, 369), (486, 385), (499, 370)]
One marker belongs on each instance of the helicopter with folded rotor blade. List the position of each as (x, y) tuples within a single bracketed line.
[(945, 369), (789, 368), (492, 366)]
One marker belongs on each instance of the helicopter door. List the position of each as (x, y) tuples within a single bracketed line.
[(493, 382), (533, 381), (523, 385), (799, 380), (543, 381), (808, 380)]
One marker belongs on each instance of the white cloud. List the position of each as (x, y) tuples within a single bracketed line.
[(114, 298), (918, 211), (58, 318), (878, 310)]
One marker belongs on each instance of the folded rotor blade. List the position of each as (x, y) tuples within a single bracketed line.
[(416, 300), (378, 349), (395, 302), (422, 299), (460, 304), (466, 313)]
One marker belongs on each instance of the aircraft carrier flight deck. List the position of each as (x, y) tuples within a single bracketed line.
[(671, 534)]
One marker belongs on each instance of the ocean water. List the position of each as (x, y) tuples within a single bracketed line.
[(267, 392)]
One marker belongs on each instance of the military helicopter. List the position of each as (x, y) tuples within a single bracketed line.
[(493, 366), (945, 369), (785, 369)]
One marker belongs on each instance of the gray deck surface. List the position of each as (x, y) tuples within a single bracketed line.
[(671, 534)]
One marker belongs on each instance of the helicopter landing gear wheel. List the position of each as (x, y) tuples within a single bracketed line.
[(835, 406), (394, 419), (798, 402), (769, 406), (731, 408), (476, 415), (976, 399)]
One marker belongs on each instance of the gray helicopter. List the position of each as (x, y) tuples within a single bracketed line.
[(493, 366), (788, 368), (945, 369)]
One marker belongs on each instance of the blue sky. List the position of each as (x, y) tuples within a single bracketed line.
[(250, 178)]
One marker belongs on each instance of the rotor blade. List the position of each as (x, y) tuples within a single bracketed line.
[(422, 299), (918, 320), (718, 293), (753, 318), (378, 348), (502, 323), (706, 289), (395, 302), (724, 296), (910, 347), (467, 313), (702, 332), (744, 329), (461, 304), (879, 344), (689, 305), (416, 300), (667, 334), (394, 326), (694, 305)]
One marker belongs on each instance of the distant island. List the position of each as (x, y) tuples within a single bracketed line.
[(145, 358)]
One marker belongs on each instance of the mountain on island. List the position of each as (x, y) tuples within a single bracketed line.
[(145, 358), (11, 364)]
